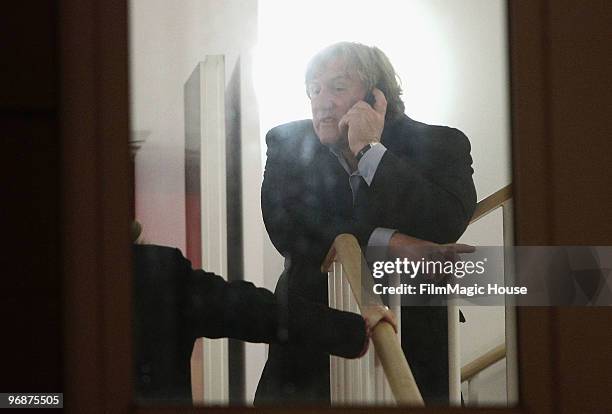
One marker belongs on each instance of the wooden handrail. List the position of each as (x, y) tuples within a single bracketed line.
[(492, 202), (483, 362), (347, 252)]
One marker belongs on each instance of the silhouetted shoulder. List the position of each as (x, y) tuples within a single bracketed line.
[(419, 138), (294, 142), (288, 133)]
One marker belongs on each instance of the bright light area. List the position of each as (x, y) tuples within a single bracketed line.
[(451, 57), (290, 33)]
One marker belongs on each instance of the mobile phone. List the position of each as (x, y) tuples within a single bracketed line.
[(369, 98)]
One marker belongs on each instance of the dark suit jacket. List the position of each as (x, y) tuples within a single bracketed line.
[(174, 305), (423, 187)]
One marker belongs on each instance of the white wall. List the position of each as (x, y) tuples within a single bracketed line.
[(167, 40)]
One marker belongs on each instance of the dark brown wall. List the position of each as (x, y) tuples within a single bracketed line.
[(31, 357), (580, 116), (561, 122)]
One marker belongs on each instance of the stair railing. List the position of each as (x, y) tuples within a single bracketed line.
[(383, 375), (361, 381)]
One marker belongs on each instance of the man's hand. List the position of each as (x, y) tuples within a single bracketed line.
[(364, 122), (404, 246), (401, 244)]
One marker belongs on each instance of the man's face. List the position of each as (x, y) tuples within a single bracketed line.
[(333, 91)]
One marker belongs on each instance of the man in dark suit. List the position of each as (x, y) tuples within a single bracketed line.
[(360, 166), (175, 304)]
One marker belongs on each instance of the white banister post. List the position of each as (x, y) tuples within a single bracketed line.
[(454, 354), (401, 383), (512, 391), (473, 387), (360, 381)]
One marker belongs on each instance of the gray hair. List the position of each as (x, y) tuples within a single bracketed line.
[(372, 66)]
